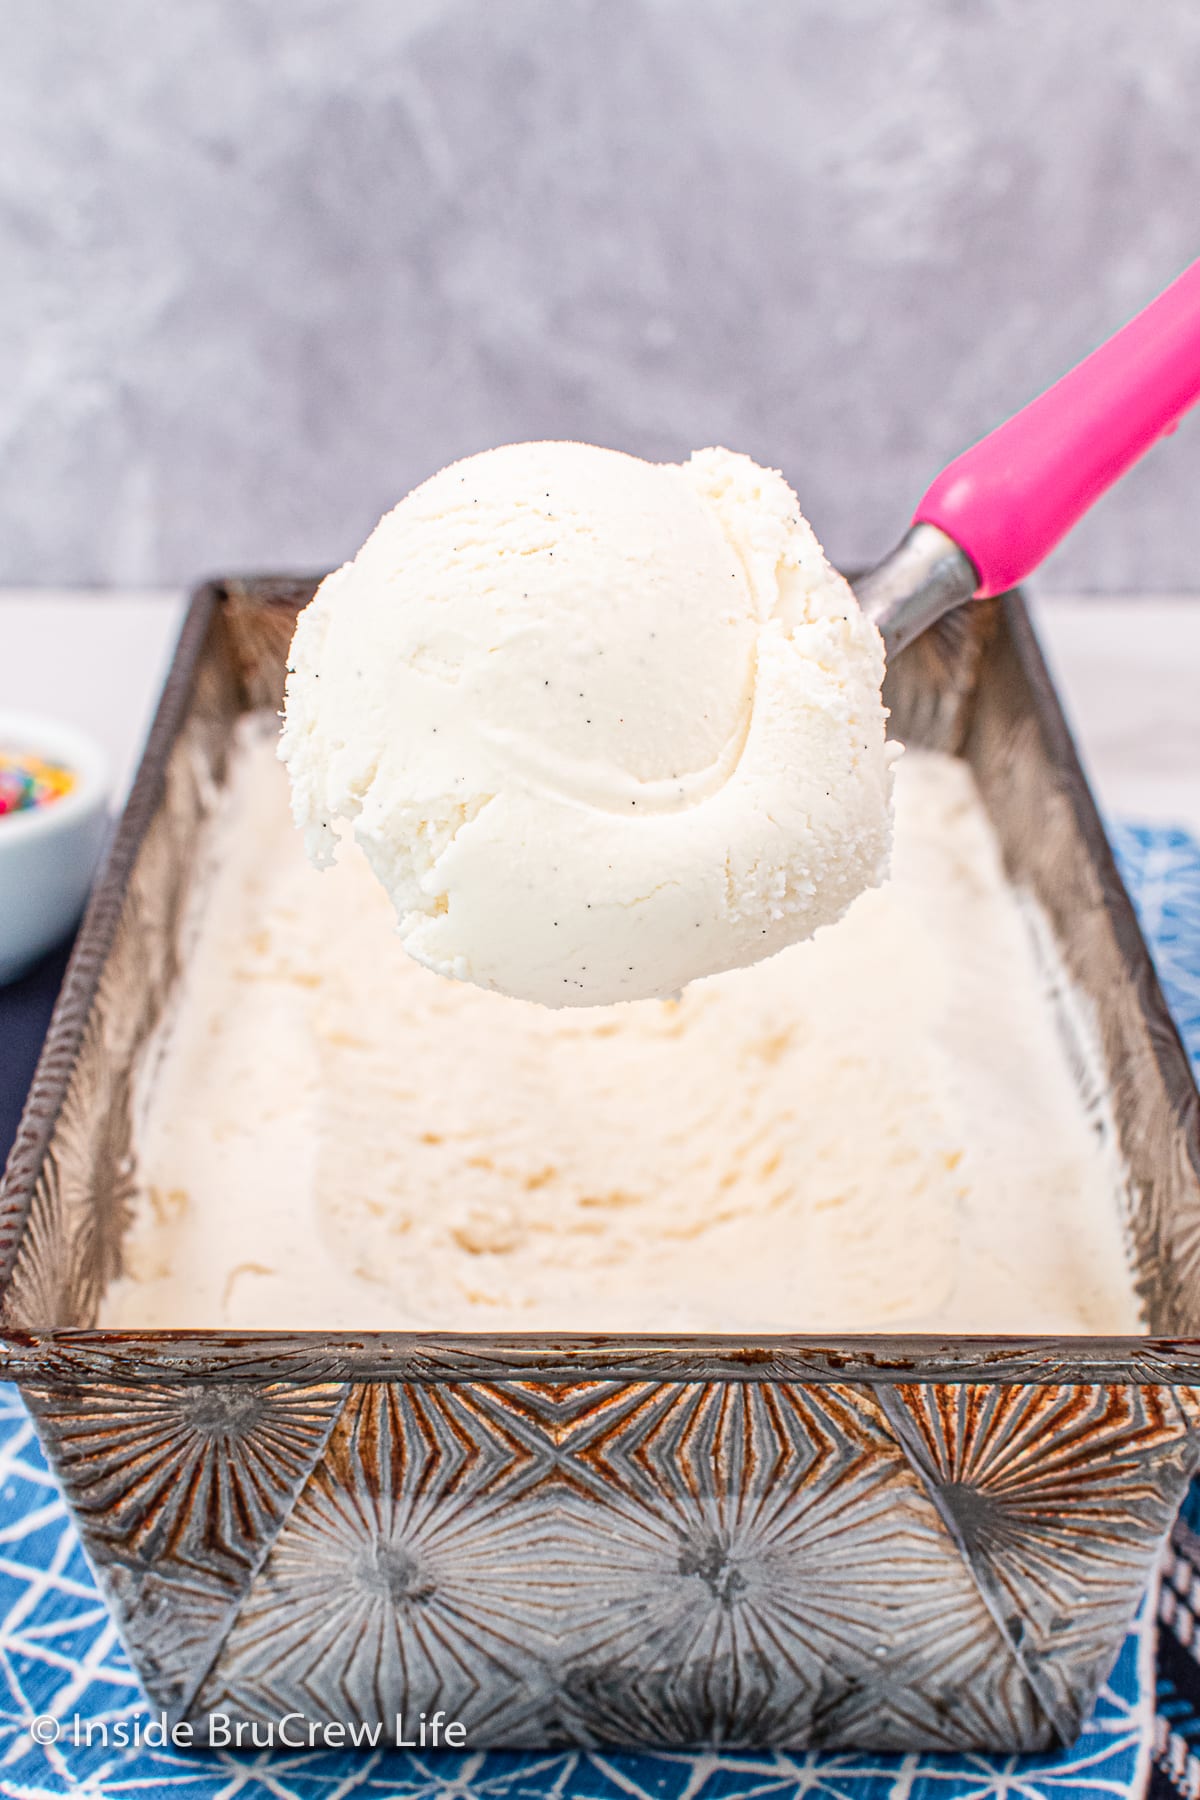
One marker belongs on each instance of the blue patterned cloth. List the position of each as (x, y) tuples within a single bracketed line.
[(60, 1656)]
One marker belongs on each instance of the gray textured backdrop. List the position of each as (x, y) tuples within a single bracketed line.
[(267, 264)]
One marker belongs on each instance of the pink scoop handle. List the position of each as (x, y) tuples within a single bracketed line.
[(1007, 501)]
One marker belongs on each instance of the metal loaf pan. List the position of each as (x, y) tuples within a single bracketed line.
[(893, 1543)]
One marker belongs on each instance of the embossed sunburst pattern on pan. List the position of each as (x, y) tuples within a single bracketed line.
[(1053, 1494), (178, 1490), (659, 1563)]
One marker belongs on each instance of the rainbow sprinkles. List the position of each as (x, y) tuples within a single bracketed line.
[(28, 781)]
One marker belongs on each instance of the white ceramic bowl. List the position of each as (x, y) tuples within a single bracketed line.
[(48, 855)]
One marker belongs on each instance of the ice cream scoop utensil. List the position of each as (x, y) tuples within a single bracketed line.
[(997, 511)]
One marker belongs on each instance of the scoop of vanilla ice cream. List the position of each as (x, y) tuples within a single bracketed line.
[(601, 726)]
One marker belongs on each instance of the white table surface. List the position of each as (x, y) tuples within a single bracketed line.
[(1129, 672)]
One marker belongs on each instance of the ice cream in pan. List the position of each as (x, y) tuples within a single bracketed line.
[(881, 1128)]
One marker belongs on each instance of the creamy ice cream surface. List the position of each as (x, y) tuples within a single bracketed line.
[(878, 1129), (601, 726)]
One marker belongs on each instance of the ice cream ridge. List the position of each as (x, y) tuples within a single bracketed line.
[(601, 726)]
